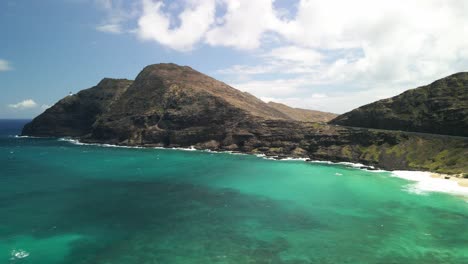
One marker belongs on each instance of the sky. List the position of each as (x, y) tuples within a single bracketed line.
[(328, 55)]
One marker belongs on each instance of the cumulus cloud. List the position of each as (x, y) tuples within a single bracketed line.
[(352, 46), (396, 40), (368, 50), (4, 65), (244, 24), (195, 20), (25, 104)]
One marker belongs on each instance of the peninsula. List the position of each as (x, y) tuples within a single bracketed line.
[(168, 105)]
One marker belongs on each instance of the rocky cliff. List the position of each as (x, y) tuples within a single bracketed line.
[(75, 114), (438, 108), (175, 106)]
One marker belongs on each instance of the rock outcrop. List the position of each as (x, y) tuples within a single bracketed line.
[(175, 106), (438, 108), (75, 115)]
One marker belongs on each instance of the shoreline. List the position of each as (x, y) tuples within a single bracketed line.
[(463, 182), (434, 182), (424, 181)]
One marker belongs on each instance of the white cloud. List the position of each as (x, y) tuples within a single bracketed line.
[(4, 65), (287, 59), (118, 13), (272, 88), (368, 50), (248, 70), (351, 46), (195, 20), (295, 54), (398, 40), (244, 24), (25, 104), (332, 101), (110, 28)]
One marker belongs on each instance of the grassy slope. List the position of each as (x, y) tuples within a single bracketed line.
[(418, 152)]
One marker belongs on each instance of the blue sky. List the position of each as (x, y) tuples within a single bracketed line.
[(326, 55)]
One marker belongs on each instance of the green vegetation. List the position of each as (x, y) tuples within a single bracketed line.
[(371, 153), (446, 155)]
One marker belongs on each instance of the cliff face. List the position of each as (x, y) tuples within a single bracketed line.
[(438, 108), (74, 115), (174, 106)]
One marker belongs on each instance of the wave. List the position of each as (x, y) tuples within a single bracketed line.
[(77, 142), (19, 136), (425, 183), (19, 254)]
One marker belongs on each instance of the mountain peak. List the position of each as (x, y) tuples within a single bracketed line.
[(167, 66)]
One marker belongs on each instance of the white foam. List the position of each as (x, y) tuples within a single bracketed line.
[(191, 148), (77, 142), (375, 171), (293, 159), (19, 254), (355, 165), (423, 183), (73, 141), (349, 164), (18, 136), (322, 161)]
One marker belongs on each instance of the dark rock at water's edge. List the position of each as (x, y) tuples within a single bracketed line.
[(175, 106), (438, 108)]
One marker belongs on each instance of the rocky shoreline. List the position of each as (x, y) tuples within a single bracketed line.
[(175, 106), (387, 150)]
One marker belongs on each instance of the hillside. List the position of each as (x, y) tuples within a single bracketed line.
[(300, 114), (439, 108), (175, 106)]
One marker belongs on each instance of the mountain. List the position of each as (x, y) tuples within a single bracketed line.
[(175, 106), (74, 115), (439, 108), (300, 114)]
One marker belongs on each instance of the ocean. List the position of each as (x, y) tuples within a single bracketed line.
[(66, 203)]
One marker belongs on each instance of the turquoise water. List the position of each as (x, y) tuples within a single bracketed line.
[(65, 203)]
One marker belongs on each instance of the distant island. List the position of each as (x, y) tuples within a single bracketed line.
[(168, 105)]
